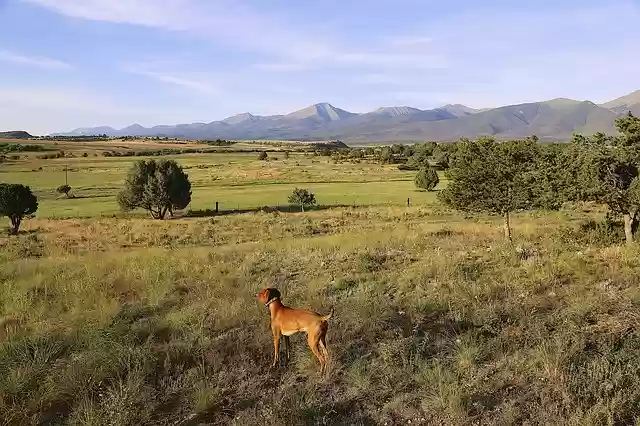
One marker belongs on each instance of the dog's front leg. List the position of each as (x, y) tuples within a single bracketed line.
[(287, 345), (276, 346)]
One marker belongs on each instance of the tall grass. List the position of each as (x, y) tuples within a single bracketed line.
[(437, 321)]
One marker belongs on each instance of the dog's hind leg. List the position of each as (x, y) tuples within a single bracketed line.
[(314, 343), (323, 346)]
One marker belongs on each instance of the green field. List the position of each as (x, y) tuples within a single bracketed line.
[(237, 181), (438, 321)]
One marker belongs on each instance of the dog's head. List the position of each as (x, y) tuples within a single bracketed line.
[(268, 294)]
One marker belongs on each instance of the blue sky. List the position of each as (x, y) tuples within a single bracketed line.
[(80, 63)]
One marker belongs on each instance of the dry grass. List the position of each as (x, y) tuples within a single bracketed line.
[(130, 321)]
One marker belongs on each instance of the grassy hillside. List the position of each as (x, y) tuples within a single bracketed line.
[(124, 320), (118, 321)]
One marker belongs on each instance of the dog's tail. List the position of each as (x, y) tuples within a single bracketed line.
[(326, 317)]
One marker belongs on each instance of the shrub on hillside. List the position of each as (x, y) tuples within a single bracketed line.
[(262, 156)]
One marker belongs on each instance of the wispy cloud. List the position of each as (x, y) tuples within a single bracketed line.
[(175, 78), (33, 61), (410, 41), (228, 22), (288, 47)]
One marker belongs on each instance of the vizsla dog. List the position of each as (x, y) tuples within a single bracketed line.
[(288, 321)]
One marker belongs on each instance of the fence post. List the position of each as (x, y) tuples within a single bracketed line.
[(408, 202), (216, 207)]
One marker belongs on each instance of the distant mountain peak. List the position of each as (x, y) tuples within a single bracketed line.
[(458, 110), (239, 118), (562, 102), (396, 111), (323, 111)]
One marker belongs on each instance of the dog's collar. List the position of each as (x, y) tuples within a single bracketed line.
[(271, 301)]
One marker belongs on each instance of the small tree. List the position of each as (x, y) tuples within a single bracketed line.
[(427, 178), (64, 189), (302, 198), (16, 202), (498, 178), (262, 156), (286, 155), (156, 186)]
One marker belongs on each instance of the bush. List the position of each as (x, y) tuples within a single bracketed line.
[(302, 198), (16, 202), (593, 233), (263, 156), (156, 186), (427, 178)]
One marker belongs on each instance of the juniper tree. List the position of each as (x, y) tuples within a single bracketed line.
[(156, 186), (498, 178), (604, 169), (427, 178), (16, 202)]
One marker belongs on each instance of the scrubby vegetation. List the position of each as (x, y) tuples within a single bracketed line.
[(20, 147)]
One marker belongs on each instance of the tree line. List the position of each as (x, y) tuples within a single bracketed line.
[(500, 178)]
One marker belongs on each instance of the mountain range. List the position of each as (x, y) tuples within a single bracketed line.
[(556, 119)]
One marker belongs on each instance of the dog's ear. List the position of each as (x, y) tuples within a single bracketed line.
[(273, 293)]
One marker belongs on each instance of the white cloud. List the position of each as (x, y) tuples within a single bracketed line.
[(33, 61), (177, 79)]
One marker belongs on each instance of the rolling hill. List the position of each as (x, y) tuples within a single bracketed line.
[(15, 134), (555, 119)]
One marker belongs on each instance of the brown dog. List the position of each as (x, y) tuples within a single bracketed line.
[(288, 321)]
